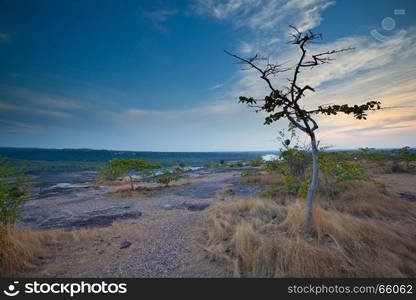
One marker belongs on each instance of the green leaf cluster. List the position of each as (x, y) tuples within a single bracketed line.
[(14, 191)]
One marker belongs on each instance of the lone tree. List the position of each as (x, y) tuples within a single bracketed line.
[(284, 102), (116, 167)]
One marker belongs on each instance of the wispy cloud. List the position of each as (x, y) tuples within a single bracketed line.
[(383, 71), (134, 114), (224, 9), (4, 107), (262, 14), (43, 99), (368, 55), (217, 86), (195, 129), (7, 126), (246, 48), (58, 103), (159, 17)]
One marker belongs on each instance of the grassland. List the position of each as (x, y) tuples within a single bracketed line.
[(361, 225)]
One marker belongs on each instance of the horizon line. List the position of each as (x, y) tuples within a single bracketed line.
[(152, 151)]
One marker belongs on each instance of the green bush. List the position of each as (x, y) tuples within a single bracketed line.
[(110, 172), (166, 179), (293, 159), (178, 170), (256, 162), (407, 156), (116, 168), (237, 164), (14, 191), (295, 187), (249, 172), (273, 166), (340, 170)]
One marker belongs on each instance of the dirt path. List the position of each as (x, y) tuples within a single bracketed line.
[(158, 237)]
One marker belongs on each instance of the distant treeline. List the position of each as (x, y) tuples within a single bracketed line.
[(167, 159)]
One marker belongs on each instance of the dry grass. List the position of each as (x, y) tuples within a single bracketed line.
[(144, 189), (368, 199), (22, 248), (260, 178), (365, 233)]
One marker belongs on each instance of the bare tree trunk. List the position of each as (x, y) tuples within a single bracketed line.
[(131, 183), (314, 182)]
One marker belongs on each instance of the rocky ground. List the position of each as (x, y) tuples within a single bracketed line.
[(155, 231), (151, 232)]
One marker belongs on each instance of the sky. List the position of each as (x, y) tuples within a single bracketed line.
[(153, 75)]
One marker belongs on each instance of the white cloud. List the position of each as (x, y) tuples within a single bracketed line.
[(262, 14), (217, 86), (160, 17), (223, 9), (58, 103), (42, 99), (367, 55), (4, 107), (135, 114), (246, 48), (7, 106), (374, 70)]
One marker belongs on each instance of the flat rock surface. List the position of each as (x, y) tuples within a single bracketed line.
[(151, 235)]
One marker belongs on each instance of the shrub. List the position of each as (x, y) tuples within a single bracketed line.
[(14, 191), (273, 166), (340, 170), (249, 173), (166, 179), (294, 159), (109, 172), (116, 167), (178, 170), (256, 162), (237, 164), (407, 156)]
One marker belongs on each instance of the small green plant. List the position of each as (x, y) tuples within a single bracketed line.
[(248, 173), (166, 179), (340, 170), (273, 166), (293, 157), (382, 186), (268, 194), (178, 170), (295, 187), (116, 168), (110, 172), (407, 156), (256, 162), (14, 191)]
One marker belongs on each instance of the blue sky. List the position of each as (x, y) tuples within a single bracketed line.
[(152, 75)]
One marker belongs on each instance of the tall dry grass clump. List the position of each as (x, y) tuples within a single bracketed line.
[(22, 247), (262, 238)]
